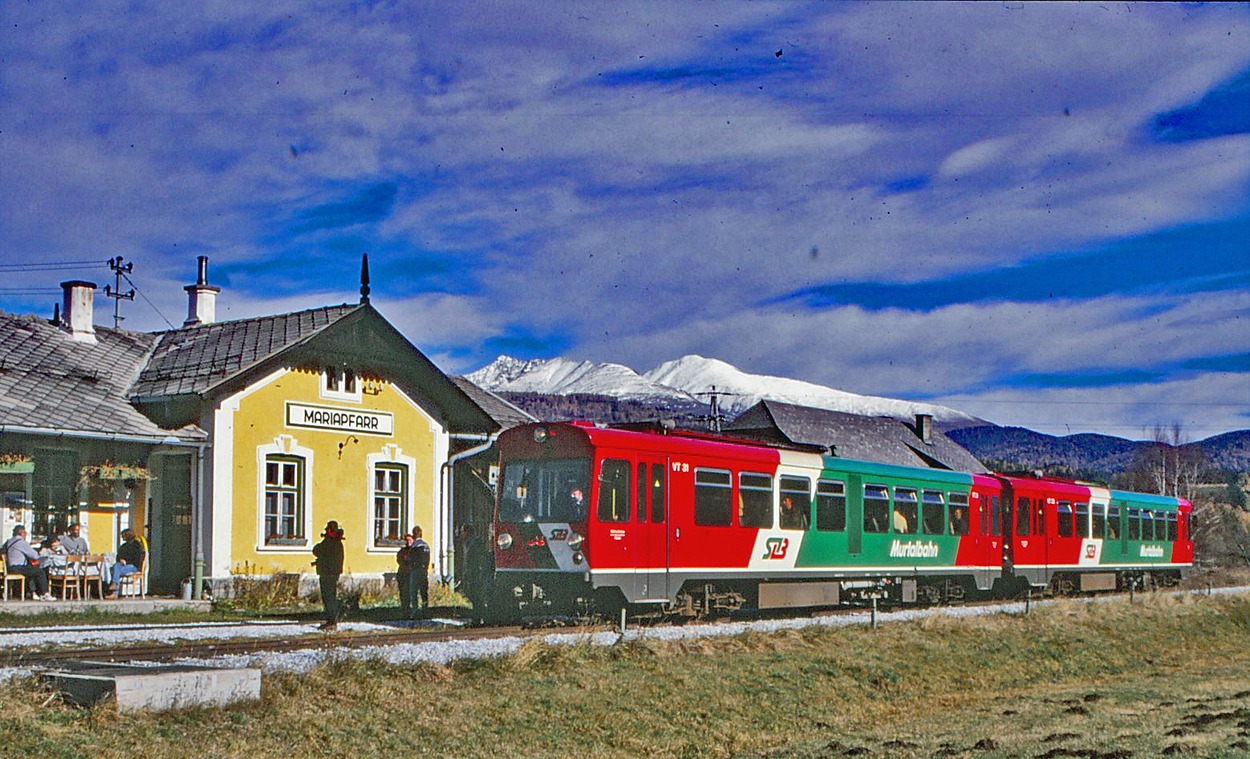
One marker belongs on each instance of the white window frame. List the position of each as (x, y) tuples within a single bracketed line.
[(390, 455), (284, 445), (341, 375)]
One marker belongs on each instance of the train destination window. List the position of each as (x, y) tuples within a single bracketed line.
[(1082, 520), (1113, 522), (1099, 527), (755, 500), (796, 503), (932, 512), (1134, 524), (876, 508), (552, 490), (830, 506), (657, 493), (1023, 509), (713, 497), (959, 513), (906, 516), (640, 492), (614, 491), (1064, 511)]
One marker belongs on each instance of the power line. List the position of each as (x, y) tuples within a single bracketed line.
[(50, 266), (148, 301)]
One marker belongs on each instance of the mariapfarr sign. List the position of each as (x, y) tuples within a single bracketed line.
[(339, 419)]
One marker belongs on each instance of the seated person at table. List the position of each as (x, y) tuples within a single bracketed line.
[(129, 560), (21, 559), (53, 554), (73, 541)]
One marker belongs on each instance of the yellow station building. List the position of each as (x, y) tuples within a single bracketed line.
[(230, 444)]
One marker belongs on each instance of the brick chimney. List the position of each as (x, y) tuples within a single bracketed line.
[(201, 298), (924, 428), (78, 310)]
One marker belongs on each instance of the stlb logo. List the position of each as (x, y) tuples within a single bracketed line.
[(1090, 550), (775, 548)]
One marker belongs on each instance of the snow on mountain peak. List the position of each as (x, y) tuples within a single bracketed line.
[(690, 378)]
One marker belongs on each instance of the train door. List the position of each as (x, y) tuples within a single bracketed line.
[(651, 524), (611, 528)]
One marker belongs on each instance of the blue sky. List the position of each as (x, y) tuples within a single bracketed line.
[(1033, 212)]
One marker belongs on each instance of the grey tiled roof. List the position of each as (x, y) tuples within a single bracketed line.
[(503, 413), (49, 381), (193, 359), (867, 438)]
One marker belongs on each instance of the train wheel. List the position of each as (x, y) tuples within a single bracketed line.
[(928, 595)]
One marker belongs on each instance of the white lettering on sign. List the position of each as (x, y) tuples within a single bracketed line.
[(1152, 552), (340, 419), (913, 550)]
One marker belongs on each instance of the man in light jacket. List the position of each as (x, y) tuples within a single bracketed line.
[(22, 559)]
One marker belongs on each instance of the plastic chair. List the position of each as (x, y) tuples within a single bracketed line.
[(10, 577)]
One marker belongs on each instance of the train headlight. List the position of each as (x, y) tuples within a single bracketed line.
[(504, 541), (575, 540), (541, 434), (578, 558)]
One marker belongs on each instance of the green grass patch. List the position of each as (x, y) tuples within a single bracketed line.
[(1165, 676)]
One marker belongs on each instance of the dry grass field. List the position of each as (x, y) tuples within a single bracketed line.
[(1163, 676)]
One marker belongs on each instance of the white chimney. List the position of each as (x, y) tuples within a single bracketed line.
[(78, 310), (201, 298)]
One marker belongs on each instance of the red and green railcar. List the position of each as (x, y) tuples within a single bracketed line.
[(591, 517)]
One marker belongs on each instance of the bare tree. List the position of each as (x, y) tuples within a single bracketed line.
[(1172, 465)]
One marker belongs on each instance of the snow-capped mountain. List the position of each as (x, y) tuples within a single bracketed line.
[(690, 379), (560, 376)]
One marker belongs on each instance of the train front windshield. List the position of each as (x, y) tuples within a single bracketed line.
[(547, 490)]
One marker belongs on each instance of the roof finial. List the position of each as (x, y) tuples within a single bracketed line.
[(364, 279)]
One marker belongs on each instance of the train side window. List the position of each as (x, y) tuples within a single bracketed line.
[(1113, 522), (1064, 511), (755, 500), (932, 512), (906, 511), (713, 497), (1023, 509), (876, 508), (614, 491), (1082, 520), (996, 516), (796, 503), (959, 513), (1099, 513), (1041, 516), (657, 493), (1134, 524), (640, 492), (830, 506), (1172, 527), (1147, 525)]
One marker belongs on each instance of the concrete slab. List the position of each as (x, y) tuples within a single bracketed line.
[(119, 606), (155, 688)]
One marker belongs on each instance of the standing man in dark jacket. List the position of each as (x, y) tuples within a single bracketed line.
[(403, 578), (420, 558), (329, 564)]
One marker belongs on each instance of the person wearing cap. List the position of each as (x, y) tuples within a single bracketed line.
[(329, 563), (403, 578)]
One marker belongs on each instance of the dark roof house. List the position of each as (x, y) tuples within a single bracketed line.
[(879, 439)]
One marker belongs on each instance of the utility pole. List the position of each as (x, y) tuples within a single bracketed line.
[(119, 270)]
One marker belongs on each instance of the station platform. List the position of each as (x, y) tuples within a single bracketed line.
[(144, 605)]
